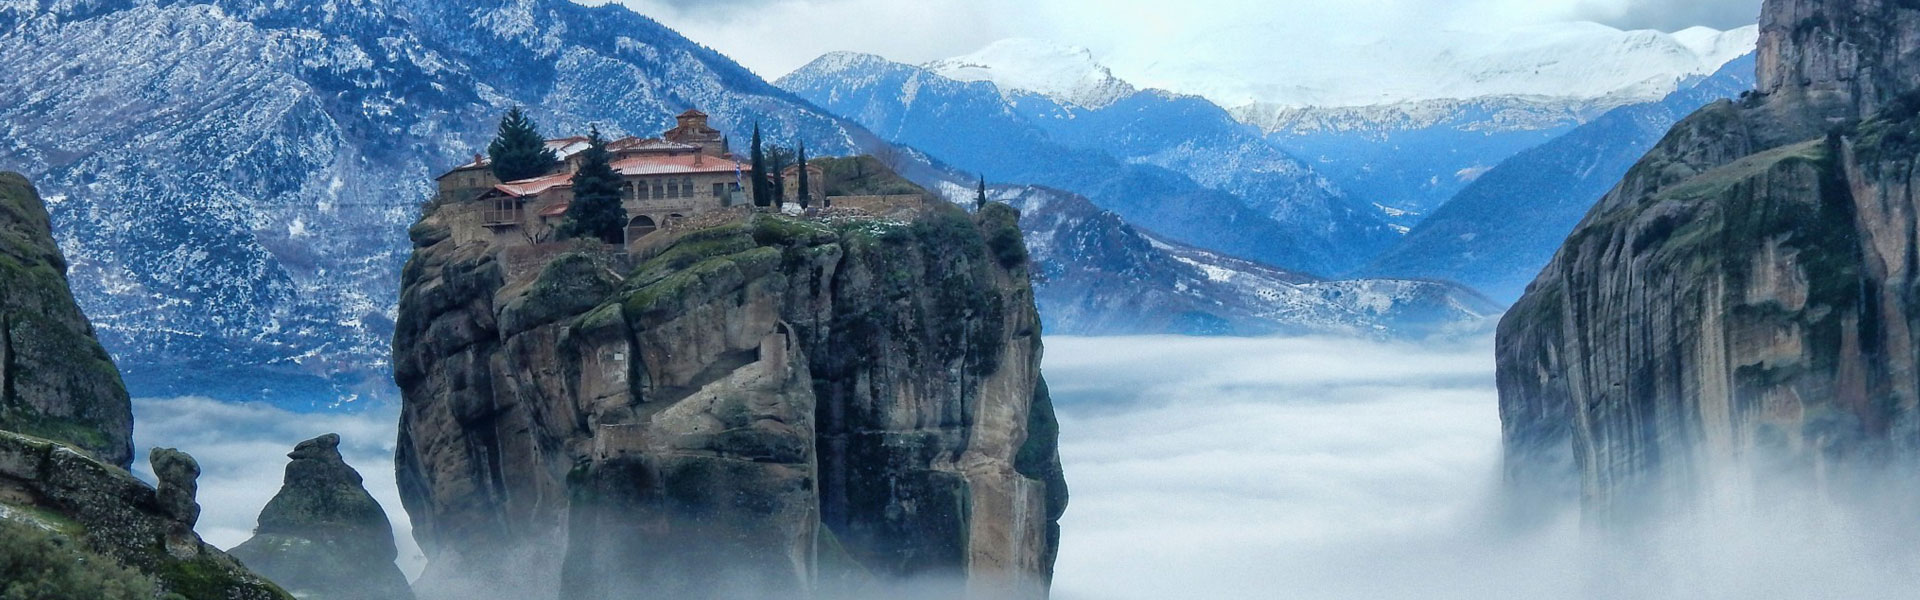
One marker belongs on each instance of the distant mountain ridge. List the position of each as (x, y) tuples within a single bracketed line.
[(231, 179), (1177, 165), (1500, 231)]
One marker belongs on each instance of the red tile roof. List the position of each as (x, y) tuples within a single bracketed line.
[(535, 186), (675, 165), (556, 210)]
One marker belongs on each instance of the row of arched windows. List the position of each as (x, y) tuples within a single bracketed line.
[(660, 189)]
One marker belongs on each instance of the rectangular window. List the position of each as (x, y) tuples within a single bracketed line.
[(505, 211), (659, 190), (719, 190)]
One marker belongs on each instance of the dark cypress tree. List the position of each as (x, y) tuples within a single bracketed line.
[(778, 159), (596, 210), (759, 175), (806, 189), (981, 201), (518, 152)]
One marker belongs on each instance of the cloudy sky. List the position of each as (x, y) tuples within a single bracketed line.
[(774, 37)]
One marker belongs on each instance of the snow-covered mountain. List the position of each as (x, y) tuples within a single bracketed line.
[(1177, 165), (1067, 74), (1412, 157), (1410, 134), (1247, 64), (233, 180), (1500, 231), (1100, 276)]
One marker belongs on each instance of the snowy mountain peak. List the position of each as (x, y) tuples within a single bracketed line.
[(1065, 73), (1578, 61)]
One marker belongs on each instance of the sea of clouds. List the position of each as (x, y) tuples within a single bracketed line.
[(1256, 468)]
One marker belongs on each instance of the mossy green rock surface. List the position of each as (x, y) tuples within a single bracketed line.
[(104, 509), (56, 382)]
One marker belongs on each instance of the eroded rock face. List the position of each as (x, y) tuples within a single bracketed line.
[(55, 380), (1745, 301), (323, 536), (77, 496), (775, 408)]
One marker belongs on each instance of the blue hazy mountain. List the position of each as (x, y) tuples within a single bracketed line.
[(1498, 232), (1176, 165)]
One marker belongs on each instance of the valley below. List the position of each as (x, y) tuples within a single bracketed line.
[(1237, 467)]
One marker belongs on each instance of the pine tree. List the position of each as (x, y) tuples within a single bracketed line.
[(518, 152), (981, 201), (759, 175), (806, 189), (596, 210)]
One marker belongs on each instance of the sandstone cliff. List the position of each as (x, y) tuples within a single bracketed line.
[(1745, 301), (323, 536), (766, 408), (55, 380)]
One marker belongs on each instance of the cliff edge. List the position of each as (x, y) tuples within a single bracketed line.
[(1745, 301), (56, 382), (763, 406)]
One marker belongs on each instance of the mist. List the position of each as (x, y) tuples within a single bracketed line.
[(1260, 468)]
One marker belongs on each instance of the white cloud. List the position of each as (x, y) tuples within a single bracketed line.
[(1231, 469), (242, 451), (1339, 469)]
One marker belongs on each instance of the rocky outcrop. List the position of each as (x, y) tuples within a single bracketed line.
[(55, 380), (323, 536), (1745, 301), (73, 495), (766, 408)]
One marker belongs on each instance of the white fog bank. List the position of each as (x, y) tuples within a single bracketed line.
[(1223, 469)]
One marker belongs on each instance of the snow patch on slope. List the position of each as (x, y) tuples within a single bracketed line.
[(1064, 73), (1245, 65)]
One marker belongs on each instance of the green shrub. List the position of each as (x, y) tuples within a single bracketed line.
[(36, 564)]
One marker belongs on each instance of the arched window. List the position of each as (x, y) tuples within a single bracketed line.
[(639, 227)]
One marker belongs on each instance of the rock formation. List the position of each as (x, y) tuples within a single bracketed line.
[(55, 380), (323, 536), (66, 427), (1745, 300), (768, 407), (73, 495)]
